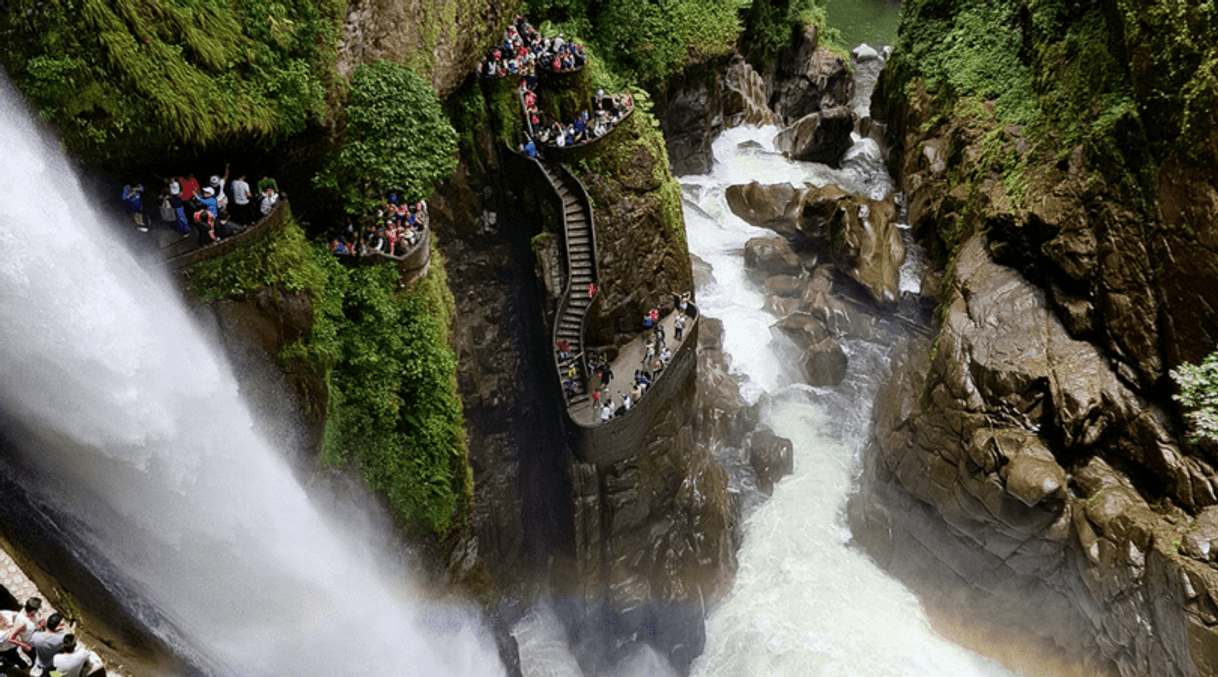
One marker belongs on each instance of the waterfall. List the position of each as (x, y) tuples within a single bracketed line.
[(131, 427)]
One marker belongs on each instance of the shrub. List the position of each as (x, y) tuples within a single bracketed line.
[(397, 138), (1199, 393)]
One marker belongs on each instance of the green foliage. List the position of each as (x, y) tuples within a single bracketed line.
[(773, 23), (1199, 393), (647, 39), (397, 138), (132, 79), (394, 413), (283, 259), (972, 46), (393, 410)]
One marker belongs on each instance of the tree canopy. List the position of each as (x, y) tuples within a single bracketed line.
[(397, 138)]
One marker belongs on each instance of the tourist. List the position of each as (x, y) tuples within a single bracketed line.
[(270, 196), (591, 289), (267, 182), (210, 203), (678, 325), (73, 660), (48, 641), (217, 185), (190, 187), (19, 628), (179, 214), (606, 375), (241, 201), (133, 204), (606, 413), (625, 401)]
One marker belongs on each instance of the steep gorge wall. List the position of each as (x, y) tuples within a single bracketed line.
[(1028, 464)]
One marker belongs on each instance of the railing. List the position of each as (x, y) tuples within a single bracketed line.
[(606, 442), (254, 233), (412, 263), (586, 203)]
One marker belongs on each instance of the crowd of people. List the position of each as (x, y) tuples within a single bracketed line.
[(185, 206), (524, 50), (656, 356), (395, 228), (35, 645), (607, 111)]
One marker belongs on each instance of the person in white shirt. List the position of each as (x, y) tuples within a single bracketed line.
[(73, 660)]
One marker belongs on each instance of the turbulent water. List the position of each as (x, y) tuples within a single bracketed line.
[(131, 426), (805, 603)]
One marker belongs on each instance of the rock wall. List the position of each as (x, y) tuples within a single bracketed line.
[(443, 40), (1029, 473)]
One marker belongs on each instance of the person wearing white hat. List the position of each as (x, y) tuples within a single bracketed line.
[(217, 184)]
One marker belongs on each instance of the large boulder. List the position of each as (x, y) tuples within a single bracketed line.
[(824, 363), (860, 235), (823, 136), (772, 458), (857, 234), (771, 255), (771, 206)]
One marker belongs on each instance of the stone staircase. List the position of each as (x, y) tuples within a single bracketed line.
[(581, 271)]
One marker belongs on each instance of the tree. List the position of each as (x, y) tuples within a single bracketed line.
[(396, 138), (1199, 393)]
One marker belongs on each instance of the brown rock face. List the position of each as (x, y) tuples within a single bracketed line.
[(770, 255), (823, 136), (1012, 435), (745, 96), (442, 40), (809, 78), (859, 235)]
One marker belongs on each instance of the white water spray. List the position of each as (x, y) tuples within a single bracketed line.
[(139, 439), (804, 603)]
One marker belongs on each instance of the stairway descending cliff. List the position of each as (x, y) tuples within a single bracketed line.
[(581, 270)]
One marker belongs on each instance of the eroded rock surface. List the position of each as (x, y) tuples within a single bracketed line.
[(859, 235), (1049, 474)]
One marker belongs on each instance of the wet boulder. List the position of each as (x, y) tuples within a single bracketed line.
[(785, 285), (825, 364), (860, 235), (823, 136), (771, 255), (768, 206), (772, 458)]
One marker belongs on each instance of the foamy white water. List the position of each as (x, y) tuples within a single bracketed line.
[(804, 603), (135, 430)]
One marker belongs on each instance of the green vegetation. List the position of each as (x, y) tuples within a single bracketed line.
[(772, 24), (131, 81), (1199, 394), (397, 138), (647, 39), (973, 47), (393, 412)]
